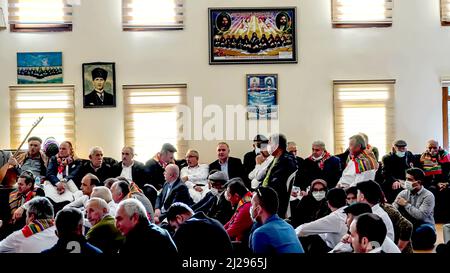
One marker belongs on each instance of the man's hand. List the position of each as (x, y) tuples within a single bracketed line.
[(60, 187), (345, 239), (260, 159), (18, 214), (401, 201), (185, 178), (442, 185), (13, 162), (198, 188), (156, 220), (396, 185), (157, 213)]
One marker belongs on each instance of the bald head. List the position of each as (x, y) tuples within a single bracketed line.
[(172, 172)]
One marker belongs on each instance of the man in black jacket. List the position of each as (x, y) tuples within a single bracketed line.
[(197, 234), (154, 168), (96, 166), (141, 236), (132, 170), (173, 191), (283, 165), (230, 165), (394, 169)]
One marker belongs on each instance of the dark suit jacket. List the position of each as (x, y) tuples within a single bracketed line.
[(52, 170), (137, 172), (178, 193), (92, 99), (235, 169), (154, 173), (105, 172), (285, 166), (249, 162), (217, 208)]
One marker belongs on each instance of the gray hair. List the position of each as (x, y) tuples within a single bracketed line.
[(359, 139), (95, 149), (129, 148), (41, 208), (102, 192), (432, 141), (172, 168), (193, 152), (133, 206), (100, 202), (319, 143), (291, 143)]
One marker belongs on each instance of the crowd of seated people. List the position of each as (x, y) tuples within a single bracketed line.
[(273, 203)]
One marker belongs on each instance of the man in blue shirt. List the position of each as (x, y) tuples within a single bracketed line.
[(270, 234)]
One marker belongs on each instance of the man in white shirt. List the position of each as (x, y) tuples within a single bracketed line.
[(39, 232), (330, 228), (361, 164), (195, 176), (263, 160), (367, 233), (88, 183), (369, 192)]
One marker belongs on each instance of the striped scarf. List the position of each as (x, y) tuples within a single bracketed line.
[(432, 164), (37, 226), (16, 198), (247, 198), (365, 161), (134, 189)]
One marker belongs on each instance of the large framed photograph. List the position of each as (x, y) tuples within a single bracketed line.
[(262, 96), (39, 67), (252, 35), (99, 85)]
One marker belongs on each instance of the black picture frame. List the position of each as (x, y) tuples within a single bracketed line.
[(100, 70), (252, 35)]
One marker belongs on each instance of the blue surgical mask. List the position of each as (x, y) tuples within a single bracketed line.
[(400, 154)]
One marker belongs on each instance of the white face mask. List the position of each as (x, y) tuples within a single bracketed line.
[(257, 150), (317, 158), (400, 154), (318, 195), (408, 185), (252, 216), (269, 149), (215, 192)]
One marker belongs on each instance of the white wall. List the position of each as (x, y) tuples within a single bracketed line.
[(414, 51)]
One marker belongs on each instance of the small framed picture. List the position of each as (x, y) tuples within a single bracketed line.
[(39, 67), (252, 35), (99, 85), (262, 96)]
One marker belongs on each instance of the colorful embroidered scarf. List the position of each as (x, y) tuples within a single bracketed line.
[(321, 162), (37, 226), (432, 164), (15, 199), (365, 161), (133, 189), (247, 198)]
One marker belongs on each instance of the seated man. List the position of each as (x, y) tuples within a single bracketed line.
[(34, 160), (122, 190), (417, 204), (103, 233), (96, 166), (37, 234), (195, 176), (352, 195), (104, 193), (129, 168), (230, 165), (352, 212), (250, 157), (367, 233), (141, 236), (214, 203), (238, 227), (197, 234), (361, 164), (88, 183), (154, 168), (262, 163), (173, 191), (435, 162), (320, 165), (330, 228), (69, 229), (270, 234), (292, 149), (395, 165), (402, 228)]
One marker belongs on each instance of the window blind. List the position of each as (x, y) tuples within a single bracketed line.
[(152, 14), (367, 107), (362, 13)]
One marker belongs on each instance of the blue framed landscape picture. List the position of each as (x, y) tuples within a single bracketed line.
[(39, 67), (262, 92)]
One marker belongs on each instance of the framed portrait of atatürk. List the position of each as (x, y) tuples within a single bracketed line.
[(262, 96), (252, 35), (99, 85)]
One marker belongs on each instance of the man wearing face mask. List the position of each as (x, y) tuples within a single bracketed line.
[(435, 163), (324, 234), (417, 204), (270, 234), (263, 161), (250, 157), (320, 165), (394, 166), (312, 206)]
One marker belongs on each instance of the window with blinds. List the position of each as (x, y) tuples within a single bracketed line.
[(445, 112), (361, 13), (152, 118), (40, 15), (366, 107), (152, 14), (55, 103), (445, 12)]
